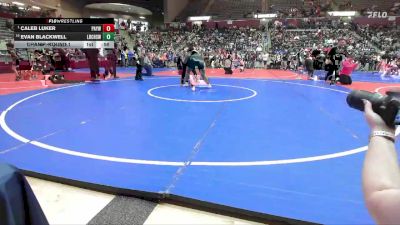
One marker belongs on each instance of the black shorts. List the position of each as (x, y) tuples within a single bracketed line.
[(345, 79)]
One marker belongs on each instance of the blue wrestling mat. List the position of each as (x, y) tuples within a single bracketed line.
[(271, 149)]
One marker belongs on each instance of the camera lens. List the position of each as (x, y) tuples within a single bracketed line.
[(355, 99)]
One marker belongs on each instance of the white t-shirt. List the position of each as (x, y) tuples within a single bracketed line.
[(265, 57), (228, 63)]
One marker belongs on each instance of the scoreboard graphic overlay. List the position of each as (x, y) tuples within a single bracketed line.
[(64, 33)]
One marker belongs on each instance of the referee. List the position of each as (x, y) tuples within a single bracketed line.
[(336, 56)]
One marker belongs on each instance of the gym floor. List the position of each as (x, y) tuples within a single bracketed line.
[(267, 143)]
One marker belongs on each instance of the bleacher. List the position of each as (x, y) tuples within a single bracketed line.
[(194, 8), (237, 9), (5, 64), (286, 4), (234, 9), (5, 36), (380, 5), (358, 5), (220, 9), (5, 33)]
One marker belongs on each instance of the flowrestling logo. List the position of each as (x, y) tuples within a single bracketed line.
[(61, 21), (377, 14)]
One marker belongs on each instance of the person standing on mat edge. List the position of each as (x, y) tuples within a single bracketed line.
[(336, 56), (195, 60), (265, 58), (241, 65), (179, 66), (139, 66), (92, 56), (228, 65), (185, 58), (309, 65), (147, 65), (112, 60)]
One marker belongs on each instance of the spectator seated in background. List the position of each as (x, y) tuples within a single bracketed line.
[(157, 62), (9, 25)]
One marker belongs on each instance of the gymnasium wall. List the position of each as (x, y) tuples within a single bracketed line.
[(106, 14), (172, 8), (71, 8), (154, 20)]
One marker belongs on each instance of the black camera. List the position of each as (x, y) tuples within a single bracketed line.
[(387, 106)]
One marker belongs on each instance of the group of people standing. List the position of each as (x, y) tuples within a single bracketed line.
[(336, 62), (191, 59), (141, 61), (92, 56)]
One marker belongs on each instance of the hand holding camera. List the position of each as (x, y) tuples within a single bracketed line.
[(375, 121), (382, 111)]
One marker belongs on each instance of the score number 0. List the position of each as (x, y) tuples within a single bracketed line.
[(108, 28), (108, 32)]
